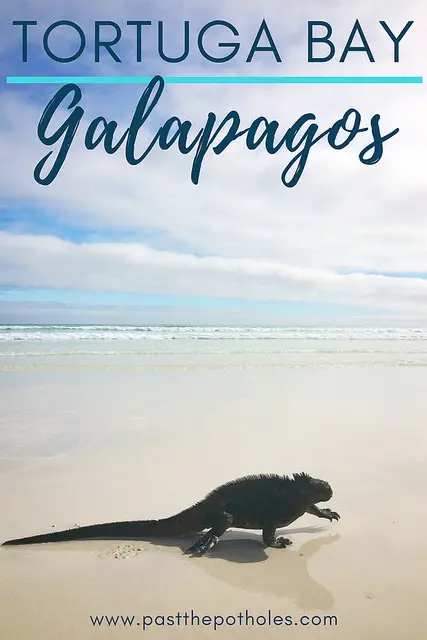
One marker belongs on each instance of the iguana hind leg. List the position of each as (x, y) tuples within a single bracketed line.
[(270, 540), (220, 523)]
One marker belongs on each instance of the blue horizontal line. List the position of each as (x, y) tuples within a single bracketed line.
[(217, 79)]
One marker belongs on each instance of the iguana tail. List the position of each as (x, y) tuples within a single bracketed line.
[(189, 521)]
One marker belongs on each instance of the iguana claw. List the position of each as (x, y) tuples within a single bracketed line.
[(331, 515)]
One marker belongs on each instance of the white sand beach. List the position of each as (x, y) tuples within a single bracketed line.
[(101, 430)]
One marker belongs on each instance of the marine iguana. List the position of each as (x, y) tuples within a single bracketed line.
[(266, 501)]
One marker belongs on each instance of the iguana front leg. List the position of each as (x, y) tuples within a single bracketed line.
[(323, 513), (270, 540)]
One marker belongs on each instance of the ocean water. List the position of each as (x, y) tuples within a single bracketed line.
[(208, 347), (125, 332)]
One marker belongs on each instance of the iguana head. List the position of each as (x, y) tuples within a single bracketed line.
[(314, 489)]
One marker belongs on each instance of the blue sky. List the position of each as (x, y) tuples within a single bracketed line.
[(348, 242)]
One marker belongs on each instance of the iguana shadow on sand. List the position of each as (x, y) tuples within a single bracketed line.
[(289, 576), (265, 502)]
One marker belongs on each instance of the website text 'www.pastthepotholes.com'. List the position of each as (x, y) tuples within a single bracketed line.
[(215, 622)]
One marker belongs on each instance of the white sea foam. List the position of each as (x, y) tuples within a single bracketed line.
[(120, 332)]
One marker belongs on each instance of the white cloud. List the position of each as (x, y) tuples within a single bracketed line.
[(43, 261)]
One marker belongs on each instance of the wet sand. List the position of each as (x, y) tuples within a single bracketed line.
[(83, 444)]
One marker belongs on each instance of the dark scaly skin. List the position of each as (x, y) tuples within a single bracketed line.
[(265, 502)]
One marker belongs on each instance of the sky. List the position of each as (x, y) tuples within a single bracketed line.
[(110, 242)]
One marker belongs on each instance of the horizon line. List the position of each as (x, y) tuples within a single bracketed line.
[(216, 79)]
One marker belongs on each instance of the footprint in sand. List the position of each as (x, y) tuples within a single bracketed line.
[(122, 552)]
